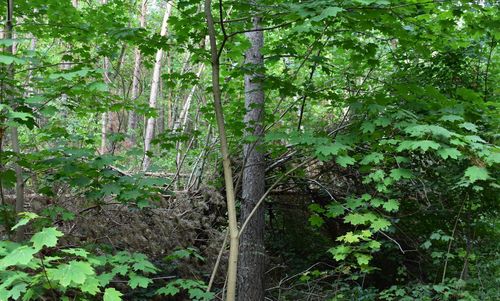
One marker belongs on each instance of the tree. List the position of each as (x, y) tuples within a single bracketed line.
[(252, 251), (132, 118), (14, 132), (228, 173), (155, 84)]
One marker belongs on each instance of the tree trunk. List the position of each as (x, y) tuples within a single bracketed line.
[(19, 235), (226, 162), (252, 252), (148, 136), (132, 119), (169, 93), (104, 116)]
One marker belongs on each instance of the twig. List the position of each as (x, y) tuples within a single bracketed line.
[(216, 267)]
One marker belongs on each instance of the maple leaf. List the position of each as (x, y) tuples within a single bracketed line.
[(345, 160), (138, 281), (74, 272), (21, 255), (111, 294), (47, 237), (449, 152), (391, 205), (476, 173)]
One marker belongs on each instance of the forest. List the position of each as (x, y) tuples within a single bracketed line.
[(249, 150)]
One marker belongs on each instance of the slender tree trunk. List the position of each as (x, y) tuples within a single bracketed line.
[(104, 116), (148, 136), (19, 235), (252, 252), (226, 163), (169, 94), (19, 180), (132, 119), (183, 116)]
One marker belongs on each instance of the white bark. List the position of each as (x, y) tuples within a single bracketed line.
[(155, 82), (183, 116), (104, 116)]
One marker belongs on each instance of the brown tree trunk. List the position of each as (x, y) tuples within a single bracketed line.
[(252, 252)]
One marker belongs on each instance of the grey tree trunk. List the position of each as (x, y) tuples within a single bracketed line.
[(252, 252), (19, 235)]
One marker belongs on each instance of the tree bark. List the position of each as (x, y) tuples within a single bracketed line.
[(155, 82), (226, 163), (252, 252), (104, 116), (132, 119), (19, 235)]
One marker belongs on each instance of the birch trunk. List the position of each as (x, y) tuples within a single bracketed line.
[(104, 116), (148, 136), (252, 252)]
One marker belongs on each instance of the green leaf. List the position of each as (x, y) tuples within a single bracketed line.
[(422, 130), (105, 278), (345, 160), (350, 237), (77, 252), (138, 281), (120, 269), (380, 224), (401, 173), (26, 217), (328, 12), (340, 252), (374, 245), (372, 158), (144, 265), (334, 210), (391, 205), (451, 118), (91, 286), (75, 272), (377, 202), (468, 126), (168, 290), (16, 291), (424, 145), (316, 220), (359, 218), (449, 152), (363, 259), (19, 256), (476, 173), (111, 294), (331, 149), (7, 60), (367, 127), (47, 237), (110, 189), (200, 294)]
